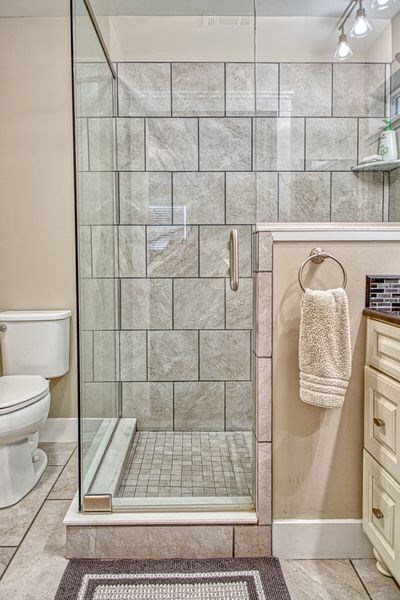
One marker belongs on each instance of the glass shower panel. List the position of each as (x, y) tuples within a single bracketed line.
[(96, 197)]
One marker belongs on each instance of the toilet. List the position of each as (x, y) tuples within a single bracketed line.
[(34, 348)]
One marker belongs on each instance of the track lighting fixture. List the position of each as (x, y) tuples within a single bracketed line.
[(343, 49), (361, 26), (381, 4)]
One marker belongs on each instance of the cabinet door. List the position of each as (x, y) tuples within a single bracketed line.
[(382, 421), (381, 513), (383, 347)]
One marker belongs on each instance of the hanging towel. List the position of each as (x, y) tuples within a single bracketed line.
[(324, 347)]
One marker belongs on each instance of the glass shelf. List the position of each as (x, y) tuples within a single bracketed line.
[(384, 165)]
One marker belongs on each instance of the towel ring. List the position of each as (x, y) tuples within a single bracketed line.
[(318, 255)]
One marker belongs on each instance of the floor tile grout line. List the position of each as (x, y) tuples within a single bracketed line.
[(36, 514), (360, 579)]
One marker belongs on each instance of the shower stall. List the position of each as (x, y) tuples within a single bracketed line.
[(166, 201), (209, 117)]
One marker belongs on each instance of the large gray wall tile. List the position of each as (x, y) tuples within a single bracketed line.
[(173, 355), (130, 144), (279, 144), (172, 251), (214, 251), (239, 305), (98, 302), (151, 403), (100, 400), (199, 198), (305, 89), (358, 90), (96, 198), (172, 144), (331, 144), (102, 147), (251, 197), (82, 144), (104, 251), (86, 355), (198, 89), (369, 131), (225, 355), (267, 76), (106, 355), (85, 251), (132, 251), (304, 197), (199, 303), (146, 303), (225, 144), (357, 197), (199, 406), (240, 89), (94, 90), (133, 355), (144, 89), (239, 405), (145, 198)]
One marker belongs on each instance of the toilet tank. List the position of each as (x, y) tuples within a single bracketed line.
[(35, 342)]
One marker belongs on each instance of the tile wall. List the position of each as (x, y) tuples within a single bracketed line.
[(97, 202), (199, 151)]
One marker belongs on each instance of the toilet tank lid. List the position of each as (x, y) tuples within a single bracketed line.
[(34, 315)]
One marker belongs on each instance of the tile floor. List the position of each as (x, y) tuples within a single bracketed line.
[(32, 547), (171, 464)]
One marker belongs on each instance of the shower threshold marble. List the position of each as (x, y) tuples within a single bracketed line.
[(193, 465)]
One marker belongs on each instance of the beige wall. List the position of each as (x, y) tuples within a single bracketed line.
[(36, 177), (317, 466), (198, 38)]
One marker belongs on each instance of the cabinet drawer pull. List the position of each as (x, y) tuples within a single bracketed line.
[(377, 513), (379, 422)]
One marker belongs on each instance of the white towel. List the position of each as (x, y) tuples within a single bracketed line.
[(324, 348)]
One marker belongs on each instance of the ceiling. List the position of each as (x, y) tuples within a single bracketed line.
[(273, 8)]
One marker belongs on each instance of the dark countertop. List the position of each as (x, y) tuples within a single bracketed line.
[(389, 316)]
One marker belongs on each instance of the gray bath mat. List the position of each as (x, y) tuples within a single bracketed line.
[(211, 579)]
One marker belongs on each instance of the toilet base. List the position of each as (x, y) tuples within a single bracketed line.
[(20, 471)]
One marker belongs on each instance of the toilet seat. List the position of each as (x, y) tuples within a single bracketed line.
[(18, 391)]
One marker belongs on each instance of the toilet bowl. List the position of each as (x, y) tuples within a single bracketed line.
[(34, 348), (24, 406)]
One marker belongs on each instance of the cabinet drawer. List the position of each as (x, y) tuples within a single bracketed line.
[(383, 347), (382, 420), (381, 512)]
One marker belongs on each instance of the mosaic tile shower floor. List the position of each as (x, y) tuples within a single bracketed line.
[(174, 464)]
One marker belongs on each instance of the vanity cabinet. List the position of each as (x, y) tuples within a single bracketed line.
[(381, 461)]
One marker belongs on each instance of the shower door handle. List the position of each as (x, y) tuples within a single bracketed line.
[(234, 260)]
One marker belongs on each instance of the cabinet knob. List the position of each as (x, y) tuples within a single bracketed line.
[(379, 422), (377, 513)]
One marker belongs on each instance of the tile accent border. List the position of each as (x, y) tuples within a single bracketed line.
[(262, 360)]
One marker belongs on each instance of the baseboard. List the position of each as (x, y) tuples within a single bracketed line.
[(59, 430), (320, 538)]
